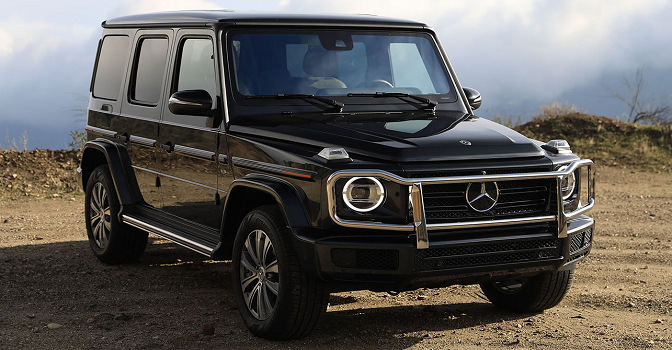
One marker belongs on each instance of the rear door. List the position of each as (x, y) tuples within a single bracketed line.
[(141, 107)]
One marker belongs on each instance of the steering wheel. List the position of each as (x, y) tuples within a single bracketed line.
[(374, 83)]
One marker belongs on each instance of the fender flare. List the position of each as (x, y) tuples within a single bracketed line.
[(117, 159), (275, 192), (287, 196)]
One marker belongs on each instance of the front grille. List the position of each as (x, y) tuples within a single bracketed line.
[(369, 259), (487, 254), (447, 203)]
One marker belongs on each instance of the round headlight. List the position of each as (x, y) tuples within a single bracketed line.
[(363, 194), (568, 184)]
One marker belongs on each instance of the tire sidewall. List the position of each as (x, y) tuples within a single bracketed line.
[(100, 175), (258, 220)]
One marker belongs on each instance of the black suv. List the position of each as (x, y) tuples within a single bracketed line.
[(321, 154)]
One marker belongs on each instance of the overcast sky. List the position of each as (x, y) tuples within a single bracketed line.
[(518, 54)]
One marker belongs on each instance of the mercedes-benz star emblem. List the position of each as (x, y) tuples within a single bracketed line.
[(482, 196)]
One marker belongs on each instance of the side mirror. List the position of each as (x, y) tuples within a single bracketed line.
[(473, 97), (191, 102)]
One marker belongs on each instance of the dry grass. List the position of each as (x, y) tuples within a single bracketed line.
[(607, 141)]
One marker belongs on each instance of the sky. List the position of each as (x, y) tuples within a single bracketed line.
[(519, 54)]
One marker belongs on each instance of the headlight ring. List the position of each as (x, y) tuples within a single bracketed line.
[(363, 194), (567, 184)]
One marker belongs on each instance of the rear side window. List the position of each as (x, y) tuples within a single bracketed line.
[(112, 60), (149, 70)]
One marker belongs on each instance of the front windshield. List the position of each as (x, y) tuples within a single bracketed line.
[(337, 63)]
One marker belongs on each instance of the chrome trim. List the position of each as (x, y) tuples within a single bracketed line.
[(166, 234), (420, 226), (104, 132), (194, 152), (419, 219), (142, 141), (583, 227), (488, 223)]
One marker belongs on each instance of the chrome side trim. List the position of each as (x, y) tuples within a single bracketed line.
[(197, 247), (420, 226), (195, 152), (142, 141), (104, 132)]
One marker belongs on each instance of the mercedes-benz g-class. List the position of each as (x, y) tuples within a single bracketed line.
[(321, 154)]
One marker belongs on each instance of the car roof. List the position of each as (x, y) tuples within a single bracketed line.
[(212, 17)]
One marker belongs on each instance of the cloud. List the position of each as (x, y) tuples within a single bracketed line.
[(6, 44), (132, 7), (35, 40)]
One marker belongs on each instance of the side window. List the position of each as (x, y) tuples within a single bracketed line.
[(112, 61), (149, 69), (408, 69), (197, 67)]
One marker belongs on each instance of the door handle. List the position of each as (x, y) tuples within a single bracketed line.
[(168, 147)]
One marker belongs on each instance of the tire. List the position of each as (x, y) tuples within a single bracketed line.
[(533, 294), (292, 302), (112, 242)]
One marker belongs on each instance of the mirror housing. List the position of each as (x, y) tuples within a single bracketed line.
[(191, 102), (473, 97)]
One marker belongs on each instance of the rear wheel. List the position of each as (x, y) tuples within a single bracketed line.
[(275, 298), (532, 294), (112, 242)]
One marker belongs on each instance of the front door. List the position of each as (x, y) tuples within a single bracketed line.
[(189, 158)]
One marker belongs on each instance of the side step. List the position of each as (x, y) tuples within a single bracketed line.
[(190, 235)]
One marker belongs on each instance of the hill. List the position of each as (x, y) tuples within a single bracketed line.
[(37, 173), (608, 142)]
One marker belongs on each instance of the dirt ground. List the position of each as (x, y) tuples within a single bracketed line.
[(55, 295)]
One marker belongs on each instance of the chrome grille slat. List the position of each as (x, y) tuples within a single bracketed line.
[(447, 202)]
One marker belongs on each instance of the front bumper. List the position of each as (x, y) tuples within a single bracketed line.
[(486, 255)]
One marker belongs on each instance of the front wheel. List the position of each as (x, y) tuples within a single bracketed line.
[(532, 294), (275, 298)]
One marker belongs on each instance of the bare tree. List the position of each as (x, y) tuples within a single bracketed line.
[(639, 111), (24, 140)]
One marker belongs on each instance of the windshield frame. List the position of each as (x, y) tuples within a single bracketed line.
[(446, 100)]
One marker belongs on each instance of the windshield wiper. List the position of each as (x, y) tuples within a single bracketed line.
[(430, 104), (332, 103)]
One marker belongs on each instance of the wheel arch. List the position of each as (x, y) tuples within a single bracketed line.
[(101, 152), (251, 192)]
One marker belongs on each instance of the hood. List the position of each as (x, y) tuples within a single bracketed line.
[(384, 137)]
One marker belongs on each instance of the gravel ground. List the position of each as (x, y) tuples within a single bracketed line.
[(55, 295)]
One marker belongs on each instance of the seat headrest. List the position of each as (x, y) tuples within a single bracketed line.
[(320, 63)]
